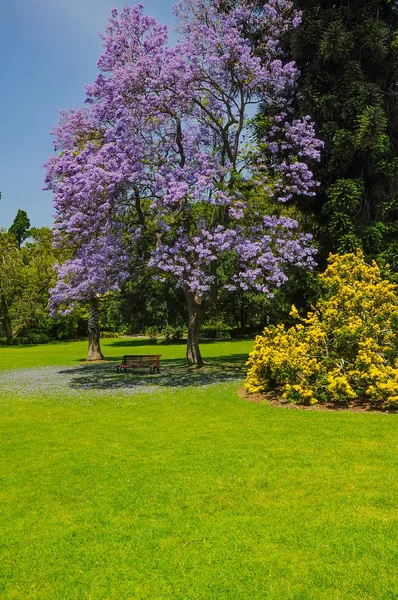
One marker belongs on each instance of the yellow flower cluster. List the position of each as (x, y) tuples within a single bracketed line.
[(345, 349)]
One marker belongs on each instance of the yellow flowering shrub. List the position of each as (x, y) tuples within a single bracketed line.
[(345, 349)]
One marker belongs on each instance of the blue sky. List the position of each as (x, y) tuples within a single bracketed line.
[(49, 51)]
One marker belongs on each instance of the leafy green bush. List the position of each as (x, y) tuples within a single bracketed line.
[(152, 332), (110, 334), (32, 338), (217, 329), (171, 333)]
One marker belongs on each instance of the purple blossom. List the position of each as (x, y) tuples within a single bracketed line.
[(165, 139)]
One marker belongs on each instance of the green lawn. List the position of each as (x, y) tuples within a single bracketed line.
[(172, 487), (69, 353)]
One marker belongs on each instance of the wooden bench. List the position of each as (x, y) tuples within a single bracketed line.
[(134, 361)]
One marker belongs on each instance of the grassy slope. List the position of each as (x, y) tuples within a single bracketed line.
[(192, 493)]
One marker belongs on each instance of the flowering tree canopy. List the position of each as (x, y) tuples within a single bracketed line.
[(165, 146)]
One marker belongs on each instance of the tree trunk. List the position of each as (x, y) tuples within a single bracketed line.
[(94, 346), (6, 322), (196, 314)]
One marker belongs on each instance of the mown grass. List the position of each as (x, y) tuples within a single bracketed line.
[(115, 487), (69, 353)]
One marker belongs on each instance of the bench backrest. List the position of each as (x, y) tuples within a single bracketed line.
[(141, 360), (132, 360), (150, 360)]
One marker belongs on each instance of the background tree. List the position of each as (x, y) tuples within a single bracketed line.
[(29, 311), (347, 53), (172, 149), (26, 275), (20, 227), (11, 267)]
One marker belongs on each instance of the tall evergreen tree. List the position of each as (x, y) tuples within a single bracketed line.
[(20, 227), (347, 52)]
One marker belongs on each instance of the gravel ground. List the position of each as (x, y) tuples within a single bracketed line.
[(82, 383)]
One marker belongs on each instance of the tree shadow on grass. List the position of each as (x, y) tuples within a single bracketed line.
[(236, 361), (129, 343), (173, 373)]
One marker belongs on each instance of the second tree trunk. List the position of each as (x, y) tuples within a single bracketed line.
[(94, 346), (5, 319), (196, 316)]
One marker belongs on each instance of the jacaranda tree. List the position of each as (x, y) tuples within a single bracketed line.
[(86, 227), (164, 149)]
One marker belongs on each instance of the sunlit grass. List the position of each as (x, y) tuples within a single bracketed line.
[(69, 353), (172, 486)]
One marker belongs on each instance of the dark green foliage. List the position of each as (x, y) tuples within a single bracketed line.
[(249, 312), (20, 227), (143, 302), (348, 56), (342, 209)]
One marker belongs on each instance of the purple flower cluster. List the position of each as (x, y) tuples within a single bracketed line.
[(98, 268), (165, 140), (289, 144)]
